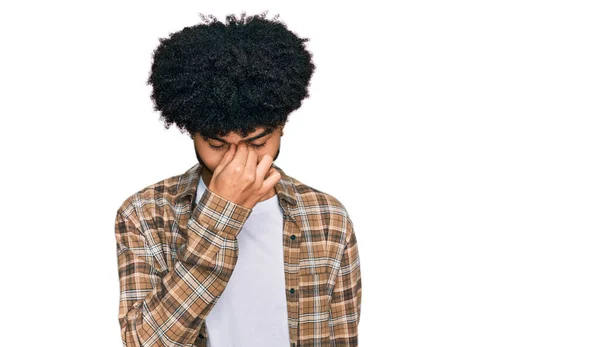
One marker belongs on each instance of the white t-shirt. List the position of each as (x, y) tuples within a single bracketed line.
[(252, 311)]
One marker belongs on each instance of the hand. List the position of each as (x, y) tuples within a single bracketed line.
[(238, 178)]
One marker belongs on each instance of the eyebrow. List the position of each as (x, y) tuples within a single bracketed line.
[(264, 133)]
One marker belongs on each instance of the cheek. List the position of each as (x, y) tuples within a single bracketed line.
[(271, 150), (213, 161)]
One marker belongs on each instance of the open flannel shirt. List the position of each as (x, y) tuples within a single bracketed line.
[(175, 259)]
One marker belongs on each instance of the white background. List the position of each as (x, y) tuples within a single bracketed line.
[(462, 137)]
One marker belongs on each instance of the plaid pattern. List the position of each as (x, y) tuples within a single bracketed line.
[(175, 258)]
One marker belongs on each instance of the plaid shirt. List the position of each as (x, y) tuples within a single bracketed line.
[(175, 258)]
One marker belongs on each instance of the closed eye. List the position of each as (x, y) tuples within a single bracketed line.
[(218, 148)]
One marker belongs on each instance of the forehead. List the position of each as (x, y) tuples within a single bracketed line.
[(236, 137)]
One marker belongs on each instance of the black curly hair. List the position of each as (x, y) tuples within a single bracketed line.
[(215, 78)]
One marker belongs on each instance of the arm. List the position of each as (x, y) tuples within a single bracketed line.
[(166, 311), (347, 294)]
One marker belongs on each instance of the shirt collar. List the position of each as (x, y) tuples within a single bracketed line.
[(188, 184)]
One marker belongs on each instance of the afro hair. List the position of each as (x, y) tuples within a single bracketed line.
[(214, 78)]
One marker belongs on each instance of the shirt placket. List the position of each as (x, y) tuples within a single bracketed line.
[(292, 235)]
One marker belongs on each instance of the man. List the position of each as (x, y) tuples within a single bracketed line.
[(234, 252)]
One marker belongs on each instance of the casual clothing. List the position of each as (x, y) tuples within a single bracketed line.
[(252, 311), (177, 252)]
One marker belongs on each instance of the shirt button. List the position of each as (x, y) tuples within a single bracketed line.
[(293, 237), (292, 291)]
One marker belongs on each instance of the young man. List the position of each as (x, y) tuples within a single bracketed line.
[(234, 252)]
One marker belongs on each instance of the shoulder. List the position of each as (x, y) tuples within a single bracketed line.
[(316, 196), (160, 193), (316, 201), (323, 211)]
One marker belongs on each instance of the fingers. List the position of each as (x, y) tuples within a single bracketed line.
[(226, 159), (241, 155), (251, 161), (271, 180), (268, 173), (263, 167)]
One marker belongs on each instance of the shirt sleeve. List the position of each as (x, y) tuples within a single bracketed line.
[(346, 296), (167, 310)]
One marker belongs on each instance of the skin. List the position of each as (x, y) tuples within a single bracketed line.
[(210, 157)]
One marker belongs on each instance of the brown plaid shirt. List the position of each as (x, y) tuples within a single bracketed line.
[(175, 259)]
